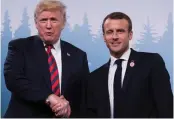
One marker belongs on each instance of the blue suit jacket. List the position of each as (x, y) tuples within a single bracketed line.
[(27, 76)]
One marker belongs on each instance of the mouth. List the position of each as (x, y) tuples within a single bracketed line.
[(115, 43), (49, 33)]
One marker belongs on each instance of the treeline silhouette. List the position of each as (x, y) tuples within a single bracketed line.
[(82, 37)]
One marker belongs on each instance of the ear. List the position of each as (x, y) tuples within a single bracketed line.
[(104, 37), (130, 35), (36, 23), (63, 26)]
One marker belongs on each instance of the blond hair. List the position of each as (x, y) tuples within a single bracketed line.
[(50, 5)]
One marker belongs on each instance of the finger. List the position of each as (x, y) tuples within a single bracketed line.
[(68, 111), (56, 107), (66, 103), (59, 113), (58, 110), (62, 105), (65, 113), (62, 97)]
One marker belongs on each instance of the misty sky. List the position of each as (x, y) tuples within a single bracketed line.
[(138, 10)]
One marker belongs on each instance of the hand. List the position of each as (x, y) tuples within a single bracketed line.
[(59, 105), (65, 111), (54, 99)]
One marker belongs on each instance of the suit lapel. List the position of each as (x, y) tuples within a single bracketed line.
[(131, 68), (42, 60), (65, 65), (104, 88)]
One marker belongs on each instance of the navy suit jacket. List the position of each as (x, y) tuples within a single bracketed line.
[(27, 76), (146, 90)]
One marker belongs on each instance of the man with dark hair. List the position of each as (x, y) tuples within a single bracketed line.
[(131, 84)]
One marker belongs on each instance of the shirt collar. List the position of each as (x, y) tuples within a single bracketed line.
[(125, 57), (56, 45)]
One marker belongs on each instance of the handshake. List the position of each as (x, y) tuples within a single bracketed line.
[(59, 105)]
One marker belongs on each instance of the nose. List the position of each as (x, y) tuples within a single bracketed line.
[(48, 25), (115, 35)]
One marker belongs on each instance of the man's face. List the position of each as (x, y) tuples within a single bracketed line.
[(49, 25), (117, 36)]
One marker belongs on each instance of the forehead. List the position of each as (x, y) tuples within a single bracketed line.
[(116, 24), (49, 14)]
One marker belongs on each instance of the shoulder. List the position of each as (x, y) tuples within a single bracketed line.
[(150, 56), (146, 55), (71, 47), (154, 58), (21, 42), (97, 75), (101, 70)]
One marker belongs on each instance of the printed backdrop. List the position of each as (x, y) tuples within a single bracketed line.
[(152, 27)]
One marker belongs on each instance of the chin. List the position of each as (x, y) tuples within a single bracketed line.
[(49, 41), (115, 49)]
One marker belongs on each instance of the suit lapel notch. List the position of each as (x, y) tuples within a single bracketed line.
[(104, 88), (131, 67), (66, 58), (42, 60)]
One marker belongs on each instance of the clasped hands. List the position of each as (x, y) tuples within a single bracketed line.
[(59, 105)]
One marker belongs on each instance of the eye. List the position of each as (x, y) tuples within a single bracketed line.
[(54, 20), (43, 20), (108, 32), (120, 31)]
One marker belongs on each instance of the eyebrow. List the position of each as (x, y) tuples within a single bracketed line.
[(118, 30), (52, 18)]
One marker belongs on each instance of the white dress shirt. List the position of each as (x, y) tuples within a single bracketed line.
[(56, 51), (111, 75)]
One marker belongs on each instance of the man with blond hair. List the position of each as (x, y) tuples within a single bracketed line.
[(44, 74)]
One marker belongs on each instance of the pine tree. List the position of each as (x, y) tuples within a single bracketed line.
[(166, 46), (67, 33), (149, 40), (83, 38), (87, 42), (23, 30), (82, 34), (101, 50), (6, 36)]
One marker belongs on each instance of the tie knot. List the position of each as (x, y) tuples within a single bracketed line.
[(118, 62), (49, 46)]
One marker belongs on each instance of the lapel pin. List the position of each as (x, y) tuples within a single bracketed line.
[(132, 64), (68, 54)]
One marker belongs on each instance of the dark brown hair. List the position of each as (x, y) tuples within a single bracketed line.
[(118, 15)]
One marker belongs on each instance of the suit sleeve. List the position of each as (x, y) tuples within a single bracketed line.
[(161, 87), (15, 78), (91, 108)]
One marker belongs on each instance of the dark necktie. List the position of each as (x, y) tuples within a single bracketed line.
[(117, 89), (54, 74)]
